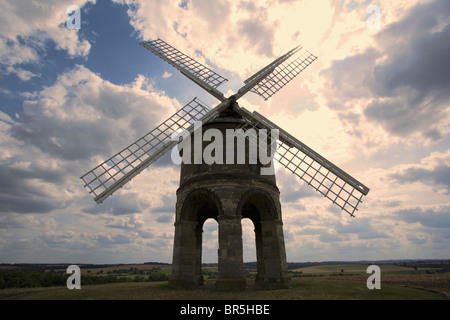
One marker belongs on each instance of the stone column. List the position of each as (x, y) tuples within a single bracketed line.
[(185, 267), (274, 255), (230, 254)]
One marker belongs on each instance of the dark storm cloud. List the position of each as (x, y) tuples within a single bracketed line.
[(409, 86)]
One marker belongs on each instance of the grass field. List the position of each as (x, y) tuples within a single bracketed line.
[(301, 289), (321, 282), (348, 268)]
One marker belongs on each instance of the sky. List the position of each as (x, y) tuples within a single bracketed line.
[(375, 103)]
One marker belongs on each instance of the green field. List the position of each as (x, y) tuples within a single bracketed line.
[(318, 282)]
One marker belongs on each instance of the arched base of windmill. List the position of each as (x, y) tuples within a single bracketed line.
[(228, 204)]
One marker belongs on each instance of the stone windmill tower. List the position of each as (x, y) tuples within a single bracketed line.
[(233, 176)]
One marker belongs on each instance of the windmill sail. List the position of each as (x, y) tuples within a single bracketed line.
[(328, 179), (197, 72), (113, 173), (325, 177), (275, 63), (287, 68)]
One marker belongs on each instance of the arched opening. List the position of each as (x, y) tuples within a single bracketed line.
[(210, 241), (198, 207), (210, 245), (249, 248), (248, 240), (207, 242), (251, 221), (259, 207)]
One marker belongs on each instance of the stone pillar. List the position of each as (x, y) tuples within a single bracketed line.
[(230, 254), (274, 256), (186, 267)]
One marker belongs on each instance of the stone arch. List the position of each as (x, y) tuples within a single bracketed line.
[(198, 206), (261, 200), (265, 213)]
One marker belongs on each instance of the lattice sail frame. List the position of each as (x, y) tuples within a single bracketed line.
[(110, 175), (286, 70), (197, 72), (325, 177), (181, 61)]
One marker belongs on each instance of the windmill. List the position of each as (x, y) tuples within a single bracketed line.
[(228, 193)]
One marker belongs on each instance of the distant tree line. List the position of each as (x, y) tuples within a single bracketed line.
[(16, 278), (31, 278)]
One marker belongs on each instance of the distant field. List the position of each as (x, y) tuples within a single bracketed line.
[(115, 268), (325, 281), (322, 288), (349, 268)]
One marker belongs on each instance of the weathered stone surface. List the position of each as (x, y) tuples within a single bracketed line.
[(228, 193)]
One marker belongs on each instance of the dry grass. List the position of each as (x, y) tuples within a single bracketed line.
[(322, 282), (316, 288), (349, 268)]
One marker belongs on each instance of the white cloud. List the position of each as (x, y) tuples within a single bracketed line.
[(26, 26), (166, 75), (64, 130), (83, 116), (351, 105), (433, 171)]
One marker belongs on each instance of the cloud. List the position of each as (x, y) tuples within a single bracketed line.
[(402, 77), (82, 116), (166, 75), (27, 185), (363, 228), (27, 28), (433, 170), (438, 217), (119, 204), (236, 36), (65, 129), (109, 241), (255, 29), (437, 177), (367, 93)]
